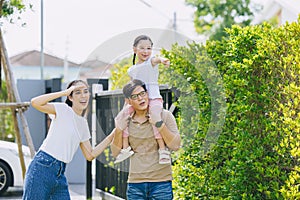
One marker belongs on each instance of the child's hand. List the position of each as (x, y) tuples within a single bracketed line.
[(157, 60), (165, 62)]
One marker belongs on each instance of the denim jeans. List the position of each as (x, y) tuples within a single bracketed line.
[(45, 179), (150, 191)]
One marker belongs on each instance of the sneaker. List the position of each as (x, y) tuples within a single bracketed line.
[(124, 154), (164, 156)]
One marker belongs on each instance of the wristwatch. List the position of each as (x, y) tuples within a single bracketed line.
[(158, 124)]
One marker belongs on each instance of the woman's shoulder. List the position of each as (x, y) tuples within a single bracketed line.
[(62, 107)]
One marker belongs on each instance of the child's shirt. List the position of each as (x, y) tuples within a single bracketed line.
[(149, 75)]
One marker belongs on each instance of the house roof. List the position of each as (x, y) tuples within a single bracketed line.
[(94, 63), (98, 69), (87, 69), (33, 58)]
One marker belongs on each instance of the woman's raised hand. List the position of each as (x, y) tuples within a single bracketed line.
[(73, 88)]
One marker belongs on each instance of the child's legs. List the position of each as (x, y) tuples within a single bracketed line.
[(156, 102), (125, 143), (129, 110), (160, 141)]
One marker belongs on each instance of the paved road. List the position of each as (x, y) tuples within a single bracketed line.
[(13, 193), (77, 192)]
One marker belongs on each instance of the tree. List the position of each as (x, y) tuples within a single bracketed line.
[(8, 11), (213, 16), (11, 7)]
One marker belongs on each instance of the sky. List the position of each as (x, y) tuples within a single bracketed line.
[(75, 28)]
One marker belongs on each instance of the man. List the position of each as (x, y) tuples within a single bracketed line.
[(147, 178)]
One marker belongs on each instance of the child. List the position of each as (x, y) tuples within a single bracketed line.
[(146, 70)]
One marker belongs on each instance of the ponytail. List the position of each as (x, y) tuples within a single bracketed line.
[(133, 60)]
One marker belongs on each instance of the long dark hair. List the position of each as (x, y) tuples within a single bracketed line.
[(68, 101), (136, 42)]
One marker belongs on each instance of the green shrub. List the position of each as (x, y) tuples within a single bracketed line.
[(257, 153), (252, 79), (7, 130), (119, 76)]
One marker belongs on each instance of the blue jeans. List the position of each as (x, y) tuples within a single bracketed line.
[(150, 191), (45, 179)]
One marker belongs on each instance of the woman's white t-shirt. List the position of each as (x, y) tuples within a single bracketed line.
[(67, 130), (149, 75)]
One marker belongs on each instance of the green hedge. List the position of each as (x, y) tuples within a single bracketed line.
[(7, 130), (257, 153)]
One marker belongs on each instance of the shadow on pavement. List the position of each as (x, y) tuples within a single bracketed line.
[(13, 193)]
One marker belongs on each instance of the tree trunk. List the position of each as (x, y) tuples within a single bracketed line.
[(13, 96)]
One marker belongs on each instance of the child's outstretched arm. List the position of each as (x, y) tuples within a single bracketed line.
[(158, 60)]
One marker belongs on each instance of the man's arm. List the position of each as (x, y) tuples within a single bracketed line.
[(169, 131)]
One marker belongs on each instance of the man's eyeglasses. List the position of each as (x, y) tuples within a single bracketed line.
[(136, 96)]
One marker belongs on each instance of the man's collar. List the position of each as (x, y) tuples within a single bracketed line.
[(133, 113)]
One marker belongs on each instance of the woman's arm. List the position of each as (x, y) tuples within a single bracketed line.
[(41, 103), (90, 153), (114, 138), (116, 144)]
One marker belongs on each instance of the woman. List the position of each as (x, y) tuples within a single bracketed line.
[(68, 130)]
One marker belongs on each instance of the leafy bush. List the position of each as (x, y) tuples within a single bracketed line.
[(257, 153), (119, 76), (252, 79), (7, 126)]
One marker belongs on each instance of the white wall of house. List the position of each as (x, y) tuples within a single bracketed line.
[(49, 72)]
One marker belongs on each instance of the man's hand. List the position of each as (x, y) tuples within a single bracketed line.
[(122, 119), (155, 114)]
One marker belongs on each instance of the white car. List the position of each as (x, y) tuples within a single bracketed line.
[(10, 166)]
